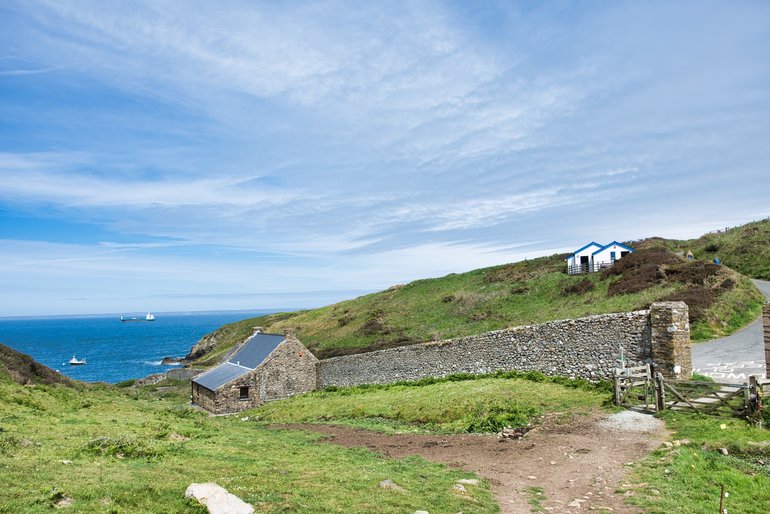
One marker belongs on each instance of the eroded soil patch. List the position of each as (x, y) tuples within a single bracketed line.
[(577, 464)]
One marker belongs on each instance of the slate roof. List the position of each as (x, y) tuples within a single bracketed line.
[(220, 375), (254, 350)]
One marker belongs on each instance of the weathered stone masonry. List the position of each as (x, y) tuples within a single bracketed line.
[(586, 348), (289, 369), (766, 325)]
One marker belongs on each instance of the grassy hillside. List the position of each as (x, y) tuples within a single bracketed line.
[(745, 249), (104, 449), (527, 292), (23, 369)]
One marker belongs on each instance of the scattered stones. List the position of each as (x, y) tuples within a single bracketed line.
[(421, 512), (468, 481), (512, 433), (459, 488), (724, 451), (391, 485), (66, 462), (177, 437), (217, 500)]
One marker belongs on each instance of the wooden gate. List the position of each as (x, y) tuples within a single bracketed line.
[(634, 387), (637, 388)]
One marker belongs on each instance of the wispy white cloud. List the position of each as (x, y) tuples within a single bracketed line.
[(22, 72), (341, 138), (44, 178)]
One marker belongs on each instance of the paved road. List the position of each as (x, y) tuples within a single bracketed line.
[(732, 359)]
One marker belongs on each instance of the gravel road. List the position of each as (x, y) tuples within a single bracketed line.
[(734, 358)]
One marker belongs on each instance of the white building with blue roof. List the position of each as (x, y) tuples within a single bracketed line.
[(595, 257)]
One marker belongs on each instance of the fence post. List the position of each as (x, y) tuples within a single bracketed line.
[(660, 393), (755, 398)]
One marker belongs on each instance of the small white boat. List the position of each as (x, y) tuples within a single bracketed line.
[(75, 362)]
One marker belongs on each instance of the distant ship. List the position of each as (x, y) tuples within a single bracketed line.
[(148, 317), (75, 362)]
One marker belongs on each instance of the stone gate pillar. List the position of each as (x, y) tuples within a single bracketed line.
[(670, 331), (766, 324)]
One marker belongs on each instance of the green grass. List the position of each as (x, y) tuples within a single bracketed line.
[(745, 248), (120, 450), (687, 479), (536, 497), (461, 403)]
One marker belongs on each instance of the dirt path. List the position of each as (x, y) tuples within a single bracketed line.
[(578, 465)]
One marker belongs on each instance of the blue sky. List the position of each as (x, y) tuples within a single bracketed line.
[(173, 156)]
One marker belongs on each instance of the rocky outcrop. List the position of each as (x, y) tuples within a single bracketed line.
[(206, 344)]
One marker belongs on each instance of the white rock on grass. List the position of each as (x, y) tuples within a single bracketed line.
[(217, 500)]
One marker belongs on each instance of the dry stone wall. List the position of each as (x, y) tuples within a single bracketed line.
[(586, 348), (766, 326)]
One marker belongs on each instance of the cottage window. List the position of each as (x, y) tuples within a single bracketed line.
[(243, 393)]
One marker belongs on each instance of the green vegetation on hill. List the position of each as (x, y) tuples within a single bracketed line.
[(106, 449), (745, 248), (23, 369), (527, 292)]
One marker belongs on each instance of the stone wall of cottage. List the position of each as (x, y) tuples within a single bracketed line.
[(589, 347), (226, 399), (290, 369)]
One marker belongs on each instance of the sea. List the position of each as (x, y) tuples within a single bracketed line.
[(114, 351)]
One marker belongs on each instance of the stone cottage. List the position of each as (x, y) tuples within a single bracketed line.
[(265, 367)]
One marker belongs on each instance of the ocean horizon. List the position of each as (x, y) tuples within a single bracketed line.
[(115, 351)]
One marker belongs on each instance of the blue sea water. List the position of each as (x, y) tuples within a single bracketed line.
[(115, 351)]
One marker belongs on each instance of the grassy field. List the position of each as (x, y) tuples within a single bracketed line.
[(111, 450), (687, 478), (460, 403), (527, 292)]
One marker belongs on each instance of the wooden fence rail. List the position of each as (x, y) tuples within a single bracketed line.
[(638, 387)]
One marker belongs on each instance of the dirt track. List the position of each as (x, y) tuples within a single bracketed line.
[(578, 464)]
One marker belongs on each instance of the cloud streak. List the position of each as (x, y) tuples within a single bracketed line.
[(329, 146)]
